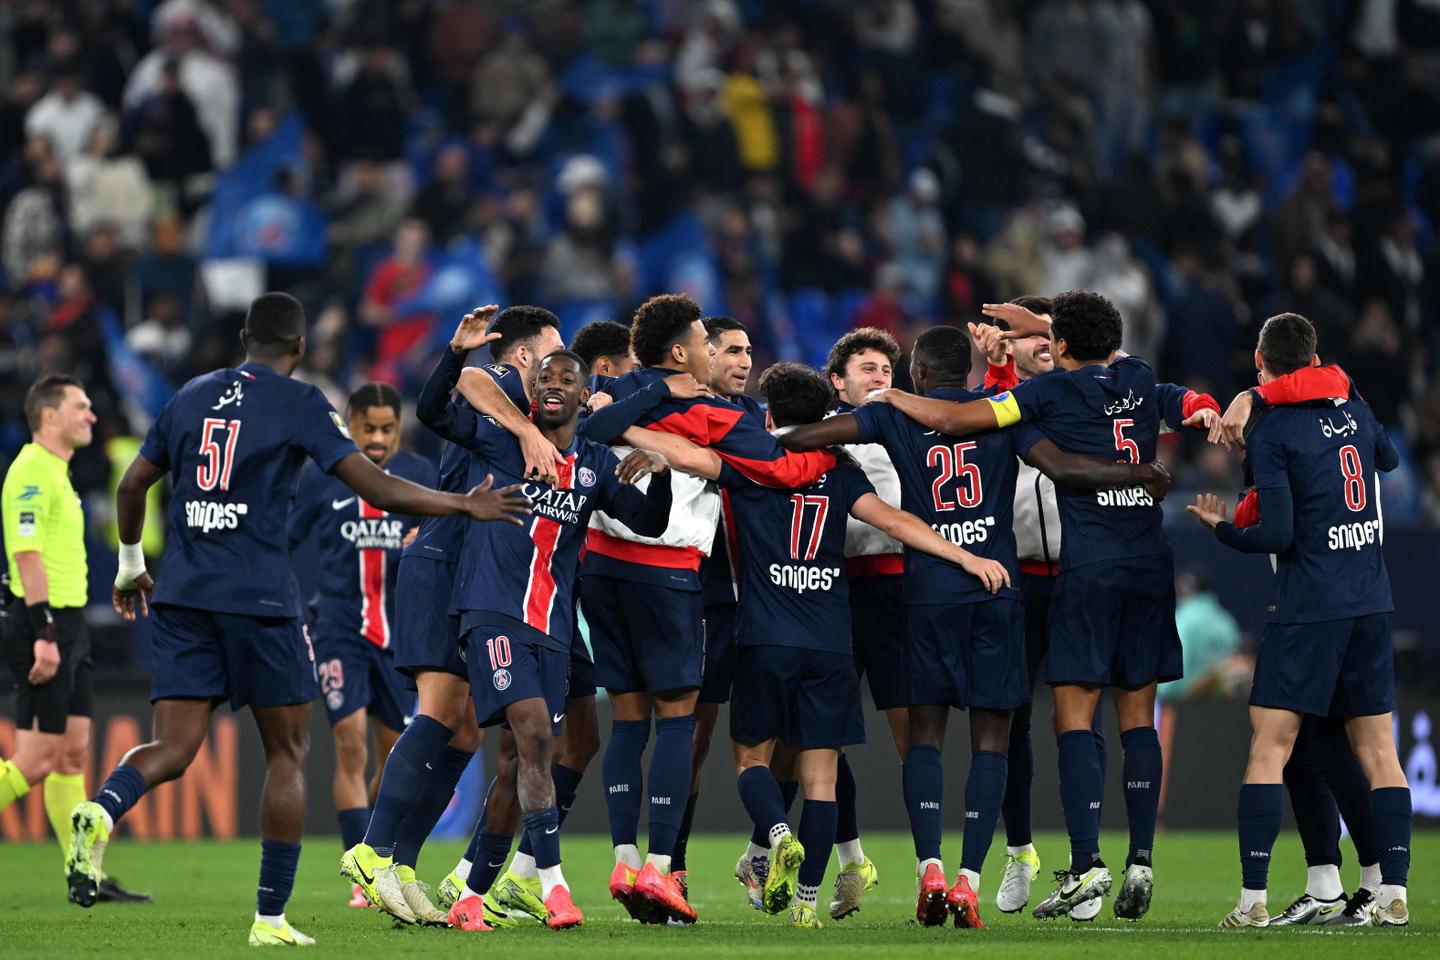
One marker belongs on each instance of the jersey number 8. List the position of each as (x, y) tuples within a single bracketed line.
[(1351, 469), (215, 465)]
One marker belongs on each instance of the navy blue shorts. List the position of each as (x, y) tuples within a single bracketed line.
[(506, 668), (250, 661), (719, 675), (357, 675), (876, 616), (582, 676), (967, 654), (426, 636), (806, 699), (1112, 624), (647, 639), (1336, 668)]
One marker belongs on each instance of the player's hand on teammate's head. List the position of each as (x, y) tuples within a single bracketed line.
[(1209, 508), (540, 457), (640, 463), (1023, 323), (471, 334), (1230, 429), (684, 386), (1154, 478), (133, 598), (988, 338), (503, 503), (599, 400)]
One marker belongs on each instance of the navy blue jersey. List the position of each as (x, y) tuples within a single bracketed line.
[(1325, 453), (793, 591), (233, 442), (1110, 413), (719, 572), (359, 549), (963, 487), (440, 537), (527, 573)]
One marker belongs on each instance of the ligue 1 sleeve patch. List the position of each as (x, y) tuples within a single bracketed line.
[(26, 526), (340, 425), (1007, 410), (499, 369)]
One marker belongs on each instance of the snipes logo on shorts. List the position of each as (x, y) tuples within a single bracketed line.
[(502, 679)]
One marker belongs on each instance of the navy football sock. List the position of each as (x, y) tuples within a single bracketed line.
[(352, 821), (1081, 791), (984, 789), (543, 830), (623, 772), (1020, 776), (847, 813), (429, 805), (277, 876), (763, 801), (817, 836), (789, 789), (567, 782), (120, 791), (472, 851), (1102, 749), (1391, 810), (1260, 812), (1316, 818), (669, 781), (924, 787), (406, 778), (1351, 790), (682, 842), (1142, 771), (490, 852)]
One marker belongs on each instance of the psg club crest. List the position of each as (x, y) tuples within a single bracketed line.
[(502, 679), (587, 477), (335, 699)]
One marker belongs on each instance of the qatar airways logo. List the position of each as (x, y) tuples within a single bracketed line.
[(563, 506), (374, 533)]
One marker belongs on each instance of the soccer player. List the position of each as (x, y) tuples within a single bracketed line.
[(1112, 616), (436, 746), (1037, 542), (226, 622), (965, 490), (355, 608), (513, 590), (795, 652), (642, 599), (44, 638), (604, 345), (1327, 647)]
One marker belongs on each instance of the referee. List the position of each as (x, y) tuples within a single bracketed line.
[(42, 633)]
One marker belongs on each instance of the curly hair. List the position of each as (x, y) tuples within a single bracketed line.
[(1088, 323), (1287, 342), (660, 323), (518, 325), (603, 338), (795, 393), (858, 341), (945, 351)]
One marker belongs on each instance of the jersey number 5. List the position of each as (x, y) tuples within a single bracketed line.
[(968, 489), (1124, 444), (797, 521), (1352, 470), (215, 465)]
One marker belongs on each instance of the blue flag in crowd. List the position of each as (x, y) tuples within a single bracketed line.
[(251, 217)]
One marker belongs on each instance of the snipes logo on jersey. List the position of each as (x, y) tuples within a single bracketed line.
[(1125, 497), (1353, 536), (207, 515), (374, 533)]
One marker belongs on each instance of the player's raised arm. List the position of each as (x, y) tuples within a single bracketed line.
[(681, 453), (830, 432), (913, 532), (394, 495), (131, 593), (485, 395), (952, 418), (1075, 470)]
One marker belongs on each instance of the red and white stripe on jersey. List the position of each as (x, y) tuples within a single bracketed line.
[(374, 623), (545, 533)]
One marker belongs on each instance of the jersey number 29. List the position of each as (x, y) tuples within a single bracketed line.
[(215, 464)]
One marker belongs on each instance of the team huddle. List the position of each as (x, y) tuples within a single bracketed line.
[(950, 547)]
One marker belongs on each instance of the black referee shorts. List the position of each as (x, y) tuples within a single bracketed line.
[(71, 692)]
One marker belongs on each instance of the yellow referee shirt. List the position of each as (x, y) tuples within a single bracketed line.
[(42, 512)]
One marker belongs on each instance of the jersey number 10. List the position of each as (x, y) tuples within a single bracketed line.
[(215, 465)]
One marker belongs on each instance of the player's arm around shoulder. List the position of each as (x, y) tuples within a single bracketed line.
[(681, 454), (915, 534), (951, 417), (830, 432)]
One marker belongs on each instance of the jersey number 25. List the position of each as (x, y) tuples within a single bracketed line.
[(968, 490)]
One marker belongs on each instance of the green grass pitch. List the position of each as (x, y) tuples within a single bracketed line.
[(205, 900)]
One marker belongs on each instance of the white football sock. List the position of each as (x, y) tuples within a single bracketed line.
[(922, 865), (1248, 898), (850, 852), (523, 866), (550, 878), (753, 850), (806, 895), (1016, 851), (1389, 893), (974, 877), (628, 854), (1323, 882), (1370, 877), (662, 863), (778, 832), (462, 869), (278, 922)]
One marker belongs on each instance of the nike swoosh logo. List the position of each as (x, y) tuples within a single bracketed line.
[(557, 718), (341, 504), (364, 877), (552, 830), (428, 767), (496, 866)]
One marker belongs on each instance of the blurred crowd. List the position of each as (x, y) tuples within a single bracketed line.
[(804, 166)]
